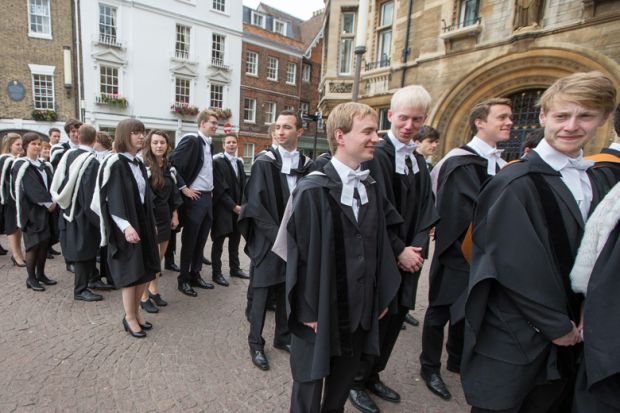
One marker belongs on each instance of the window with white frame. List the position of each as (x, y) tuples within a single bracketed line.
[(468, 13), (258, 19), (248, 155), (251, 63), (217, 49), (306, 74), (249, 110), (289, 108), (107, 24), (181, 91), (39, 22), (320, 124), (43, 91), (384, 40), (108, 80), (347, 35), (217, 96), (219, 5), (291, 73), (182, 41), (304, 108), (270, 112), (272, 68), (279, 27)]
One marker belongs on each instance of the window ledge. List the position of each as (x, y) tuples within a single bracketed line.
[(467, 31), (251, 75), (44, 36)]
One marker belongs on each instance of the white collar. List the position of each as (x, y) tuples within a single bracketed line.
[(342, 169), (229, 157), (551, 156), (615, 146), (86, 148), (411, 145), (35, 163), (481, 147), (128, 156), (207, 139)]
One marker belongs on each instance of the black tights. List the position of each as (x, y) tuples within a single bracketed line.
[(35, 260)]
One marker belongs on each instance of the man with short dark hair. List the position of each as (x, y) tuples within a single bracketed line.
[(457, 180), (427, 140), (193, 160), (59, 149), (229, 182), (72, 188), (273, 177), (54, 135)]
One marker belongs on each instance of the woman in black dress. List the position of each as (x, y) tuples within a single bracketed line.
[(166, 201), (32, 179), (11, 150), (124, 201)]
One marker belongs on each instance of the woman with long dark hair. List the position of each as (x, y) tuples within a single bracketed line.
[(11, 150), (166, 201), (124, 201), (32, 179)]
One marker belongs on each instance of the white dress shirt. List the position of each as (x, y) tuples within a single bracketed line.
[(491, 154), (290, 160), (573, 171), (404, 151), (121, 223), (204, 180), (233, 161), (351, 180), (615, 146)]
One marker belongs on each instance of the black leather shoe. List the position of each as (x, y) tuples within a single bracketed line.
[(34, 285), (148, 306), (100, 285), (88, 295), (220, 280), (172, 267), (3, 251), (362, 401), (453, 366), (53, 251), (240, 274), (45, 280), (200, 283), (383, 391), (259, 359), (435, 384), (156, 298), (71, 268), (146, 325), (206, 261), (50, 256), (186, 289), (409, 319), (138, 334), (283, 346)]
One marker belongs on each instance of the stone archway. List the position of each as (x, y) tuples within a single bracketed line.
[(534, 69)]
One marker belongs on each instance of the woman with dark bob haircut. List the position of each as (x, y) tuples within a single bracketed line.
[(124, 201), (32, 179)]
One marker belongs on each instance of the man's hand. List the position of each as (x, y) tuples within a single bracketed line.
[(52, 207), (569, 339), (190, 193), (237, 209), (131, 235), (174, 222), (383, 313), (313, 325), (410, 259)]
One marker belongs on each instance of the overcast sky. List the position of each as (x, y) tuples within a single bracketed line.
[(302, 9)]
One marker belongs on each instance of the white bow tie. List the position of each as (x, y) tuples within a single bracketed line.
[(401, 159), (579, 164), (290, 160), (495, 158), (354, 180)]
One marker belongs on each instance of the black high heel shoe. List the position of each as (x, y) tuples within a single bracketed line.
[(34, 285), (45, 280), (139, 334), (16, 264), (146, 325)]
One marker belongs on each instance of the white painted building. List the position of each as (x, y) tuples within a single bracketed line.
[(149, 59)]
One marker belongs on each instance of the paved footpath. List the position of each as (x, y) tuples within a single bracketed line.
[(61, 355)]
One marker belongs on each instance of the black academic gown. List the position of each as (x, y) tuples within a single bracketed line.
[(166, 200), (519, 296), (412, 197), (80, 238), (30, 190), (266, 194), (322, 160), (8, 213), (227, 193), (129, 264), (57, 151), (598, 382), (315, 287), (459, 182)]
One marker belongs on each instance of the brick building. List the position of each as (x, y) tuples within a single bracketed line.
[(281, 60), (464, 51), (37, 65)]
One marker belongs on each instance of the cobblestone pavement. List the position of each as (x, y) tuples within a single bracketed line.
[(61, 355)]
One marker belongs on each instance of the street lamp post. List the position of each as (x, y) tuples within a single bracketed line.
[(360, 46)]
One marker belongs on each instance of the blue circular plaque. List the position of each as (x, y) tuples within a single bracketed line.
[(15, 90)]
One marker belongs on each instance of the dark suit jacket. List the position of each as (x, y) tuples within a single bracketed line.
[(187, 158), (227, 193)]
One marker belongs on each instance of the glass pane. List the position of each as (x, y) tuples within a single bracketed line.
[(348, 23), (345, 56), (387, 14)]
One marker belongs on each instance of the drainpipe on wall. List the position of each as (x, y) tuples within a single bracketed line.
[(78, 53), (406, 49)]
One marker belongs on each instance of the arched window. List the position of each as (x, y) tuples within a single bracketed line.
[(525, 120)]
